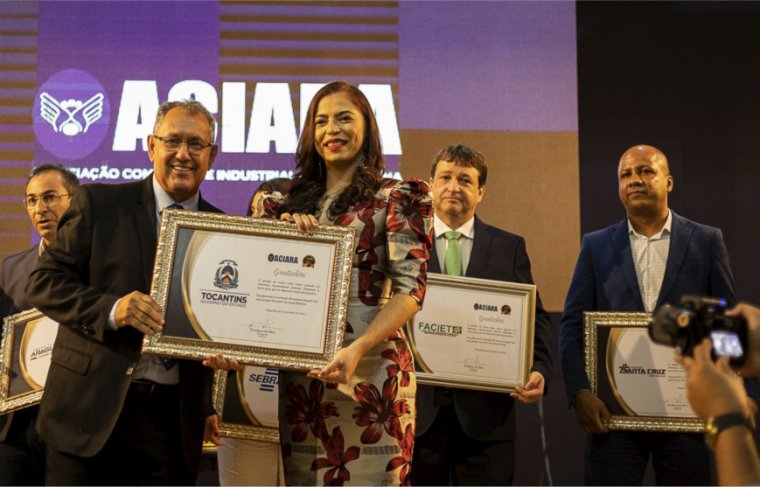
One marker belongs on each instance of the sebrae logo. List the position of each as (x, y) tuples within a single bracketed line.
[(71, 114), (226, 275)]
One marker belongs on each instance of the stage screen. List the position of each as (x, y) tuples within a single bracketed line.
[(81, 82)]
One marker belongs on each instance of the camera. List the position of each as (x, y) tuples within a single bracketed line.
[(697, 318)]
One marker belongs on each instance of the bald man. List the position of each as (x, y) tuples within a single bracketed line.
[(651, 257)]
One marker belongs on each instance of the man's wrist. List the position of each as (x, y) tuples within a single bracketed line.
[(717, 424)]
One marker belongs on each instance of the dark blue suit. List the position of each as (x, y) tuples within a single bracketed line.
[(22, 455), (605, 280), (484, 420)]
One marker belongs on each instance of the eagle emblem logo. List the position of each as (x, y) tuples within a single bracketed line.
[(77, 116)]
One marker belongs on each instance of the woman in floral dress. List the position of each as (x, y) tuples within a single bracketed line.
[(353, 421)]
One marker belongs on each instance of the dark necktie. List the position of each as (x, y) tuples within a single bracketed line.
[(169, 362)]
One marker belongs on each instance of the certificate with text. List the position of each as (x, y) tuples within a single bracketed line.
[(474, 333), (27, 347), (255, 290), (642, 385), (246, 402)]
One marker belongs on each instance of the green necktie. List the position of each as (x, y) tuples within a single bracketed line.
[(452, 265)]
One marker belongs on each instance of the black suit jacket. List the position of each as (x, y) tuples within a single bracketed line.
[(105, 249), (15, 272), (489, 416)]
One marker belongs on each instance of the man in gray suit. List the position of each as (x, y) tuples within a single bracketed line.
[(110, 414), (466, 437), (49, 189)]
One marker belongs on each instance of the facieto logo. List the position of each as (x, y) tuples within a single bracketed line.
[(71, 114), (485, 307), (439, 329)]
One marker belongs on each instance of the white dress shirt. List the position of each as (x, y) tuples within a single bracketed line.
[(650, 257), (465, 241)]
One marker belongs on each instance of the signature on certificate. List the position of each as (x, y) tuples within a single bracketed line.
[(262, 328)]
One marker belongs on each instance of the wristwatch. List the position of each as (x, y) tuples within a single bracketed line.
[(716, 424)]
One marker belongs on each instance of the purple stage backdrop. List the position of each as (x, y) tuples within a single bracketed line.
[(100, 70)]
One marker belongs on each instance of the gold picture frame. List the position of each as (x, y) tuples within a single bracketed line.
[(474, 333), (238, 417), (245, 287), (27, 346), (605, 334)]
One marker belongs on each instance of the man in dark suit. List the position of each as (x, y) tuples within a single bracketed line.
[(466, 437), (49, 189), (109, 414), (652, 257)]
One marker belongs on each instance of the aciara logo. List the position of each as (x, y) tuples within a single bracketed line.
[(71, 114)]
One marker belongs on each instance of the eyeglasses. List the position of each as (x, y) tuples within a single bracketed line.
[(194, 146), (49, 200)]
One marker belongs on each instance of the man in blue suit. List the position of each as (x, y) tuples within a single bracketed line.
[(652, 257), (467, 437), (48, 194)]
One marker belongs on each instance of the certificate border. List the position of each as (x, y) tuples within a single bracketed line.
[(238, 430), (527, 329), (195, 349), (592, 321), (13, 325)]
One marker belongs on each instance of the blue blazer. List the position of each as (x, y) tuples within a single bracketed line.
[(489, 416), (605, 280)]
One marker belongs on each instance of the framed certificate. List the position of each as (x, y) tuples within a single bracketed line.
[(642, 385), (255, 290), (474, 333), (27, 346), (246, 402)]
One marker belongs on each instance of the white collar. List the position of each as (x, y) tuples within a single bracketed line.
[(163, 199), (667, 227), (467, 229)]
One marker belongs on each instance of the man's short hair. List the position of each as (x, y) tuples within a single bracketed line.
[(70, 180), (192, 107), (461, 155)]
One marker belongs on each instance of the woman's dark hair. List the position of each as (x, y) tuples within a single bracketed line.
[(309, 181), (276, 185)]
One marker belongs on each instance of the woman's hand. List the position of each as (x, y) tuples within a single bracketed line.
[(305, 223), (218, 362), (342, 367)]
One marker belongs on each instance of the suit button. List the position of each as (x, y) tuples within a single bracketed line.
[(130, 370), (88, 331)]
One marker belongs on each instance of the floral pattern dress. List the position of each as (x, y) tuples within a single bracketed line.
[(362, 433)]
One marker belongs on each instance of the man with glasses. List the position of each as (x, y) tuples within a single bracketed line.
[(110, 414), (49, 189)]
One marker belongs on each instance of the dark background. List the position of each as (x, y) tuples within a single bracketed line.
[(684, 77)]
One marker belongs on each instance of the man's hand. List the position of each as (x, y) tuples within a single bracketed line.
[(139, 311), (211, 431), (751, 367), (533, 390), (712, 387), (590, 411)]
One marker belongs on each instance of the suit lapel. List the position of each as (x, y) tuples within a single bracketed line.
[(679, 242), (434, 264), (621, 245), (145, 227), (479, 254)]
